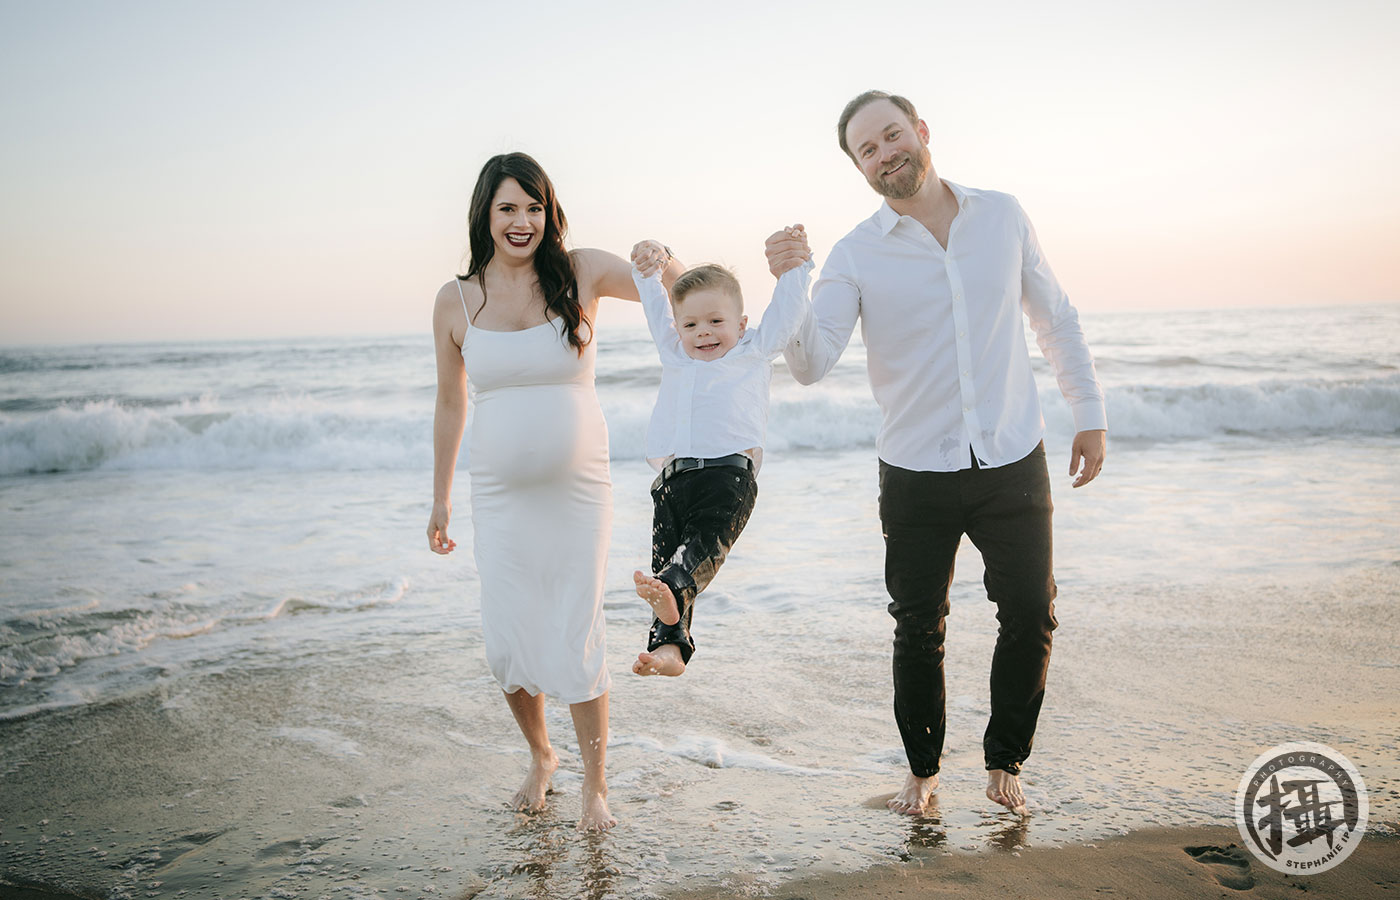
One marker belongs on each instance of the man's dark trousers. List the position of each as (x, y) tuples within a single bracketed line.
[(1006, 512), (697, 516)]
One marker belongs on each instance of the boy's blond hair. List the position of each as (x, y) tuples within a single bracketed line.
[(707, 277)]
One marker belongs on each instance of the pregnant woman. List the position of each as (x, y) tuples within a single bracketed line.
[(519, 325)]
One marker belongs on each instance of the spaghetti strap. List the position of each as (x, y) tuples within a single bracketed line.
[(464, 300)]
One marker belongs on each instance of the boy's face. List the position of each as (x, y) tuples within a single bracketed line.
[(710, 322)]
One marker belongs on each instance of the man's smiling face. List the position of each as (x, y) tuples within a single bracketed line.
[(890, 151)]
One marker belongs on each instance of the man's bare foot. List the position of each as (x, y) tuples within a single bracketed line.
[(665, 661), (658, 596), (913, 798), (595, 808), (530, 797), (1005, 788)]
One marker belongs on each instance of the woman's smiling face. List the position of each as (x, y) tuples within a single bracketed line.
[(517, 220)]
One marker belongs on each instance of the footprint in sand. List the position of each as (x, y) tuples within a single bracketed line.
[(1229, 865)]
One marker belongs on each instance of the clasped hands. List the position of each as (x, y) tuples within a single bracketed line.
[(786, 249), (649, 256)]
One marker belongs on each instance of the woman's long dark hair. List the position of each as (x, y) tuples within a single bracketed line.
[(553, 266)]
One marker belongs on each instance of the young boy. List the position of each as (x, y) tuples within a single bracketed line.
[(706, 434)]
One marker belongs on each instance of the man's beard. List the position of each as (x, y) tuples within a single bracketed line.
[(907, 181)]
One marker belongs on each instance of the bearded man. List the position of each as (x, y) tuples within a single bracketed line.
[(938, 278)]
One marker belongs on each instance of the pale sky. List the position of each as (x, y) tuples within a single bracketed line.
[(177, 170)]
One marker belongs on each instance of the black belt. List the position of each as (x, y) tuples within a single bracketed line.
[(690, 463)]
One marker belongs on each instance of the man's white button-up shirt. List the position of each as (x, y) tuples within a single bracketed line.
[(945, 347), (710, 408)]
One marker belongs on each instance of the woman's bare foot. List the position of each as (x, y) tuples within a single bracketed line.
[(665, 661), (913, 798), (595, 808), (530, 797), (658, 596), (1005, 788)]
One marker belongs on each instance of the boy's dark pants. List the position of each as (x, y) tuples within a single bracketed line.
[(697, 517), (1006, 512)]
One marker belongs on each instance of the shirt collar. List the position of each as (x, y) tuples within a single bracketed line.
[(886, 218)]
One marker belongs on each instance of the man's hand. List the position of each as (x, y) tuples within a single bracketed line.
[(648, 256), (787, 249), (1090, 447)]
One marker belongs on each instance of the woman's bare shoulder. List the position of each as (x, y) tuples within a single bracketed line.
[(451, 298), (457, 290), (450, 289)]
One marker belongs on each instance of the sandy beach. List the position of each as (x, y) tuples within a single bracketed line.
[(373, 751), (1161, 864)]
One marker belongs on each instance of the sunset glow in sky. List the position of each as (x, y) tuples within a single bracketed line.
[(178, 170)]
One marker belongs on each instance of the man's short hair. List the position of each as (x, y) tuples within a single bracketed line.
[(707, 277), (863, 101)]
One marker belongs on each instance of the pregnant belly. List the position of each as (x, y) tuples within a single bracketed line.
[(529, 435)]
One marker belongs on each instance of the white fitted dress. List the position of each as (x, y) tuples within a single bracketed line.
[(541, 500)]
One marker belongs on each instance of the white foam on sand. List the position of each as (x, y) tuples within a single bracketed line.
[(38, 656), (715, 754)]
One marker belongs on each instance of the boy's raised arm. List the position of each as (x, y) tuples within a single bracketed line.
[(656, 303), (788, 309)]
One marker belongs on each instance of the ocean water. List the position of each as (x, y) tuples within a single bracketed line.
[(230, 666)]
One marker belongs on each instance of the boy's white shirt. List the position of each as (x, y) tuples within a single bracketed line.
[(710, 408)]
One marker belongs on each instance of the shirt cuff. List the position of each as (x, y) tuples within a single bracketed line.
[(1089, 416), (803, 271)]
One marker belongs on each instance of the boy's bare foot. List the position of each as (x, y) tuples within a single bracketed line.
[(530, 797), (913, 798), (595, 808), (665, 661), (658, 596), (1005, 788)]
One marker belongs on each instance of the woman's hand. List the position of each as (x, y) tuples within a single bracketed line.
[(648, 256), (438, 541)]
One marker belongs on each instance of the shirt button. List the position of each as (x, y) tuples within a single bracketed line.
[(962, 334), (957, 296)]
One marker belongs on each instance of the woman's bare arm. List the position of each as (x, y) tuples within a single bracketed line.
[(449, 412), (609, 275)]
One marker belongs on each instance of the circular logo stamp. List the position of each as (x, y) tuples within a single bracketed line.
[(1301, 808)]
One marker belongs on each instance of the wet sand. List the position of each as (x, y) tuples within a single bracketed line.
[(212, 795), (1160, 864), (348, 751)]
